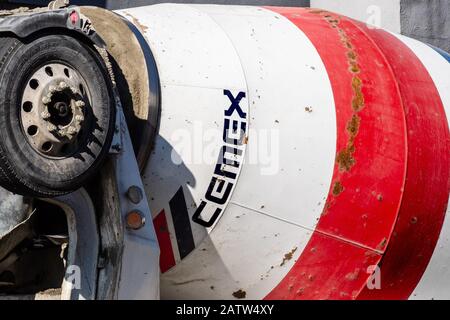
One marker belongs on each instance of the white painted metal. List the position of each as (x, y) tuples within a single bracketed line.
[(435, 282), (292, 141), (201, 51), (244, 252), (193, 103)]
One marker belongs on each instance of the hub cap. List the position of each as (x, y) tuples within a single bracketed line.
[(53, 110)]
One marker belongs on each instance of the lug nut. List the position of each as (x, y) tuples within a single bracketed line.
[(79, 104), (63, 85), (71, 130), (45, 115), (46, 100), (51, 127), (135, 220), (52, 89), (79, 118), (74, 90)]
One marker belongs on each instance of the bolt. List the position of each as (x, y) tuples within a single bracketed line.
[(74, 90), (71, 130), (79, 118), (51, 127), (135, 194), (117, 147), (45, 115), (52, 89), (46, 100), (63, 85), (79, 104), (135, 220)]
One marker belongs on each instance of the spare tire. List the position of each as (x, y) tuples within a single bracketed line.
[(57, 114)]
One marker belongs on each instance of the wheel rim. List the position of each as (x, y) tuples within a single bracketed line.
[(53, 110)]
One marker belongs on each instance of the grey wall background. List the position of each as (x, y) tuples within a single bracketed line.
[(428, 21), (388, 11), (425, 20)]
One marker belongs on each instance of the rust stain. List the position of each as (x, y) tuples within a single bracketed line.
[(351, 55), (240, 294), (317, 11), (382, 244), (354, 68), (345, 158), (326, 208), (137, 22), (353, 126), (288, 256), (337, 188), (358, 99)]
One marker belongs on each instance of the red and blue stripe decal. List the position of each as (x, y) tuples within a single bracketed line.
[(390, 186)]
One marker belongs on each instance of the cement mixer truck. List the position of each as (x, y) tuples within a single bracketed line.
[(195, 152)]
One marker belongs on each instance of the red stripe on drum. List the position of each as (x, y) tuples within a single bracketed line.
[(427, 184), (167, 259), (367, 185)]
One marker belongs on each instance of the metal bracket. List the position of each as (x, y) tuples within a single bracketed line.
[(140, 273)]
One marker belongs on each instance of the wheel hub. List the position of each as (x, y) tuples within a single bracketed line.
[(53, 109)]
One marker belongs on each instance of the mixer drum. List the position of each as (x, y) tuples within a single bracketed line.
[(300, 155)]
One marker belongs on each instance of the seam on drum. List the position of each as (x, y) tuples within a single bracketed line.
[(326, 234)]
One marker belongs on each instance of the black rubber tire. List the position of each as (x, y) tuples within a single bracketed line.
[(22, 169)]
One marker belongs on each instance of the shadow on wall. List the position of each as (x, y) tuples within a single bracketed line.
[(117, 4)]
